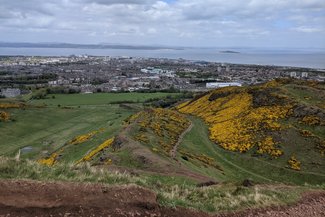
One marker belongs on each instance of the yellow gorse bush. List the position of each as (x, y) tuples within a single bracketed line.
[(321, 147), (98, 149), (311, 120), (234, 122), (11, 105), (166, 124), (83, 138), (206, 160), (306, 133), (267, 146), (132, 118), (141, 138), (294, 163), (50, 161), (4, 116)]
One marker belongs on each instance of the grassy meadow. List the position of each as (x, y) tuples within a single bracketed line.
[(47, 124), (98, 98)]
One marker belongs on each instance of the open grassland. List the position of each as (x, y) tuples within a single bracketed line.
[(47, 129)]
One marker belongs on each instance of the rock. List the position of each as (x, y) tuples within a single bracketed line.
[(247, 183), (204, 184)]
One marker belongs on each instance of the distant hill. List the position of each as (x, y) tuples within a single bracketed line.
[(84, 46)]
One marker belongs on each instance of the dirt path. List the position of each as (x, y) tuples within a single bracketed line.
[(31, 198), (311, 205), (180, 139)]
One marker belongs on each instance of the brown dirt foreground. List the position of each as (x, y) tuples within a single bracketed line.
[(31, 198)]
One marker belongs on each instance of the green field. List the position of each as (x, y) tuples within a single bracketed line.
[(44, 130), (98, 98)]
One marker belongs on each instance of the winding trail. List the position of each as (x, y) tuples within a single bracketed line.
[(154, 162), (180, 139)]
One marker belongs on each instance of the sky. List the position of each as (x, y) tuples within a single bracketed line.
[(198, 23)]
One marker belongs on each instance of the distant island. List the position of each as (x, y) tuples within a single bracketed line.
[(229, 51)]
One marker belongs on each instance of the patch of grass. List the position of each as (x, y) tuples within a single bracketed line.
[(304, 94), (98, 98), (124, 158), (47, 129)]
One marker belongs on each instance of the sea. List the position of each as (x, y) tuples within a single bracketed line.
[(309, 58)]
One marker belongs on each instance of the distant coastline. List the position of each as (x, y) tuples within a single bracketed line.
[(282, 57)]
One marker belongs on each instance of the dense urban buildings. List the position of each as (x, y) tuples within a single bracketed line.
[(88, 74)]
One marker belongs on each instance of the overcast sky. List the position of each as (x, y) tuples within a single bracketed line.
[(217, 23)]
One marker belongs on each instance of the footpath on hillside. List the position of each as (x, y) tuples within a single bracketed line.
[(180, 139)]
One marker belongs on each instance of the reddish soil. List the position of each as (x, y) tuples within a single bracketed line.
[(31, 198)]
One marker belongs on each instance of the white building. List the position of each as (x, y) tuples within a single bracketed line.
[(304, 75), (222, 84), (293, 74), (157, 71)]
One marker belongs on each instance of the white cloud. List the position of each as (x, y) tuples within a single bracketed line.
[(187, 22), (307, 29)]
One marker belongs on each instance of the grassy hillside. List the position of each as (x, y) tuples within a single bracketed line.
[(269, 135), (268, 125), (41, 127), (159, 129)]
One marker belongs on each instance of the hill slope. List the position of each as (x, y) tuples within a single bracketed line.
[(280, 122)]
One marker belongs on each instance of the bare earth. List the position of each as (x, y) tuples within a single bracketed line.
[(31, 198)]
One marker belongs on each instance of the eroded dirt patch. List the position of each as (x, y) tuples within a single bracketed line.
[(31, 198)]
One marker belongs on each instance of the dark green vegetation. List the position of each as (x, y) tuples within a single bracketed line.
[(99, 98)]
